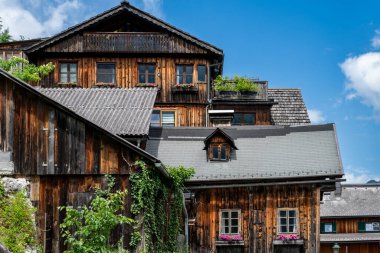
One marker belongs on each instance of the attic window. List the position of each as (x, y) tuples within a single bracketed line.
[(219, 152)]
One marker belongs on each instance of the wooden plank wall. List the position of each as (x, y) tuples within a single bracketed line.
[(258, 207), (263, 116), (364, 247), (186, 115), (48, 193), (350, 225), (127, 74), (47, 141)]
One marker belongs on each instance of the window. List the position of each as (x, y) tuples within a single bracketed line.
[(105, 73), (68, 73), (287, 221), (201, 73), (229, 221), (155, 120), (241, 119), (369, 226), (328, 227), (184, 74), (219, 152), (147, 73)]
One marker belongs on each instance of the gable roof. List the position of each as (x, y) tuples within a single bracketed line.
[(71, 113), (354, 201), (226, 136), (121, 111), (265, 152), (125, 6), (289, 107)]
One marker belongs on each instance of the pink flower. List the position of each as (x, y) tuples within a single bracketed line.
[(230, 237), (288, 237)]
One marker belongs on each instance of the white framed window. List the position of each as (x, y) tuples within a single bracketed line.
[(162, 119), (229, 221), (287, 221)]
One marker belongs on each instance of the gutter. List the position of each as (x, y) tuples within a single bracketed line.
[(263, 184), (162, 169)]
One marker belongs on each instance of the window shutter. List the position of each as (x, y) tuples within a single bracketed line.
[(322, 227), (334, 227), (361, 226)]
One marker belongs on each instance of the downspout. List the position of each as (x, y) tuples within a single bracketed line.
[(186, 223), (208, 88)]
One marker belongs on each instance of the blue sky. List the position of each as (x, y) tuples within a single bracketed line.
[(329, 49)]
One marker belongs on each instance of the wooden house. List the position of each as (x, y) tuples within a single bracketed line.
[(125, 47), (350, 219), (256, 189), (62, 154)]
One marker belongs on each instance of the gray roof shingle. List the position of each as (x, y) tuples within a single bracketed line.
[(350, 237), (354, 201), (120, 111), (290, 108), (264, 152)]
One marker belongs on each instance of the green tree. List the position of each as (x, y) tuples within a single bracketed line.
[(22, 69), (88, 229), (4, 34)]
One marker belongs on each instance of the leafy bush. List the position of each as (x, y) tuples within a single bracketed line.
[(17, 228), (245, 84), (22, 69), (238, 83), (223, 83), (88, 229)]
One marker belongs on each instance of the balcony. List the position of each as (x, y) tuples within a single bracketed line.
[(261, 94)]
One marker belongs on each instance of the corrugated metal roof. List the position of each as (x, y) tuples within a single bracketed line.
[(290, 108), (354, 201), (120, 111), (264, 152), (349, 237)]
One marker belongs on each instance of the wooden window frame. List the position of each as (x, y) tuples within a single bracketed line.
[(68, 71), (184, 75), (205, 81), (242, 123), (219, 145), (287, 220), (97, 72), (146, 72), (221, 232)]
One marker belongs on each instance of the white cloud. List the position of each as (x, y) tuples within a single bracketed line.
[(363, 78), (21, 20), (154, 7), (376, 40), (316, 116), (358, 175)]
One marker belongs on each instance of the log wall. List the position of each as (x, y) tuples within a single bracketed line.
[(258, 207)]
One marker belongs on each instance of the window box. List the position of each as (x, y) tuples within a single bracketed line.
[(185, 88), (229, 243), (147, 85), (104, 85), (68, 85)]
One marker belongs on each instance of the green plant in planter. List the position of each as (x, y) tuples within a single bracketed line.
[(244, 84), (223, 83)]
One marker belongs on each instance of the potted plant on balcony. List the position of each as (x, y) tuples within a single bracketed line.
[(245, 86), (224, 86)]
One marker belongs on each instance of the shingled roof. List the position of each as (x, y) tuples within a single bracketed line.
[(290, 108), (354, 201), (265, 152), (124, 112)]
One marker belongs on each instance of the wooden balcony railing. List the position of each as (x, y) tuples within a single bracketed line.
[(127, 42)]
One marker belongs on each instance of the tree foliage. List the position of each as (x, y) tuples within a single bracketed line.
[(5, 36), (88, 229), (17, 228), (24, 70)]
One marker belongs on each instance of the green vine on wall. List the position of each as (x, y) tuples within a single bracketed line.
[(159, 206)]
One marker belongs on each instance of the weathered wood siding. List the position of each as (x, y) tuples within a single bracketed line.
[(263, 115), (186, 115), (350, 225), (127, 74), (258, 207), (47, 141), (364, 247)]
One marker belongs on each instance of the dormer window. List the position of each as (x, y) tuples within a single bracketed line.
[(219, 146), (219, 152)]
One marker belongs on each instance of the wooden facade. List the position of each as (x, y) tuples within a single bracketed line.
[(64, 156), (259, 217)]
